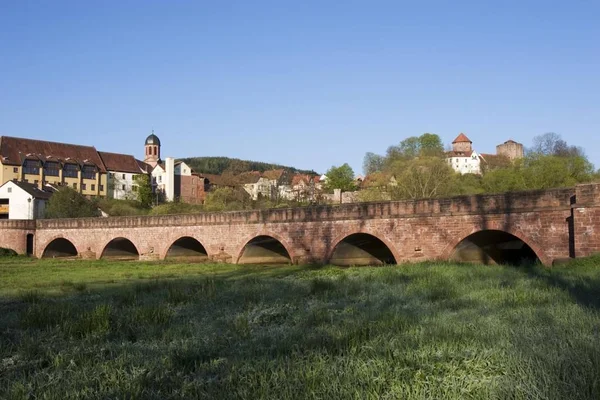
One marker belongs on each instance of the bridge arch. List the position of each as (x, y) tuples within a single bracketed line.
[(494, 246), (265, 248), (120, 248), (59, 247), (362, 248), (185, 247)]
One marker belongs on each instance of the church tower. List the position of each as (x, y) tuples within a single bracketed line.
[(152, 154)]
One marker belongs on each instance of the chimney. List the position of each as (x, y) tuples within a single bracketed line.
[(170, 178)]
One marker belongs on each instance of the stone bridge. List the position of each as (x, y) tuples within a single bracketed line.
[(543, 225)]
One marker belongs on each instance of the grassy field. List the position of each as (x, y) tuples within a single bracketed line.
[(83, 329)]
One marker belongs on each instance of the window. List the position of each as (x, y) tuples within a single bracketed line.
[(51, 168), (9, 190), (70, 171), (123, 176), (83, 186), (154, 150), (16, 170), (75, 186), (93, 187), (110, 174), (101, 187), (88, 172), (134, 188), (123, 186), (31, 167), (159, 179)]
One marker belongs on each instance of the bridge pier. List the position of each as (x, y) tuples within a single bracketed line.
[(585, 218)]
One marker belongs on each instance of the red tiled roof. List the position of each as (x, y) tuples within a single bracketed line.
[(120, 162), (248, 177), (376, 179), (33, 189), (14, 150), (273, 174), (461, 138), (147, 168)]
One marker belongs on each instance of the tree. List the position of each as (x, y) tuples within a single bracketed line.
[(422, 178), (544, 172), (551, 144), (430, 144), (372, 163), (341, 177), (227, 199), (68, 203), (426, 145), (144, 190)]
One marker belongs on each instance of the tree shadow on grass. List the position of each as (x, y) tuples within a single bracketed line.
[(585, 290), (258, 332)]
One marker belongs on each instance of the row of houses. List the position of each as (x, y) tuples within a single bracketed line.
[(46, 166), (36, 168), (31, 170)]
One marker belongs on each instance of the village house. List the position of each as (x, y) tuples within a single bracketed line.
[(123, 171), (23, 200), (463, 158)]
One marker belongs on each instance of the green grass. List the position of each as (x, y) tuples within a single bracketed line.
[(86, 329)]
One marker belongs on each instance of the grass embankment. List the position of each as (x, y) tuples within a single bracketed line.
[(156, 330)]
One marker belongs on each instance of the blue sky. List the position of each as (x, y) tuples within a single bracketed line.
[(304, 83)]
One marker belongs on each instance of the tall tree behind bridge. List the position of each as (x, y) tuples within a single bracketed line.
[(341, 177), (68, 203)]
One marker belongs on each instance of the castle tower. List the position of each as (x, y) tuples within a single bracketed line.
[(462, 144), (510, 149), (152, 154)]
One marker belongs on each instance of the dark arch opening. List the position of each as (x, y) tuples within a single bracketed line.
[(187, 248), (120, 249), (264, 250), (361, 249), (494, 247), (59, 247), (29, 244)]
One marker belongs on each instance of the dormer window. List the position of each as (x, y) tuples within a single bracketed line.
[(31, 167), (70, 171), (51, 168), (88, 172)]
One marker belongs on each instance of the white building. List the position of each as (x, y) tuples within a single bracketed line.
[(463, 158), (123, 170), (22, 200), (163, 178)]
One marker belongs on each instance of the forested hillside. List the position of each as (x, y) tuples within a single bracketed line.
[(218, 165)]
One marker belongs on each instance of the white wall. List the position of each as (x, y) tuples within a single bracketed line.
[(466, 165), (19, 206), (183, 169), (169, 179), (117, 180)]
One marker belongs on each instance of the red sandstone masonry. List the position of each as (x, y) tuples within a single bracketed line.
[(413, 230)]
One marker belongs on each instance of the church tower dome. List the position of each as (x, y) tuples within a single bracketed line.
[(152, 150)]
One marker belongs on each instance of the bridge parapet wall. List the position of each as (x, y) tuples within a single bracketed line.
[(481, 204)]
